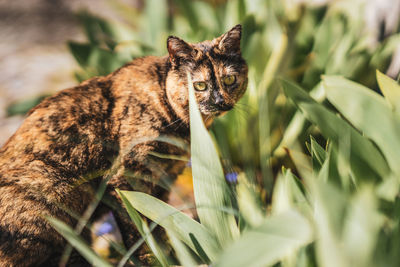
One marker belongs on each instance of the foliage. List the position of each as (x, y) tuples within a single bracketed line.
[(335, 203)]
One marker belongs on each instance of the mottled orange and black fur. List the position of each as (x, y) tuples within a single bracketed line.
[(76, 134)]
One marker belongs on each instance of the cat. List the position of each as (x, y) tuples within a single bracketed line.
[(79, 133)]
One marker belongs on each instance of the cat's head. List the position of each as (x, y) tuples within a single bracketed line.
[(217, 69)]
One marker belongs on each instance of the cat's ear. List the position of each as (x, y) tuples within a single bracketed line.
[(178, 49), (229, 42)]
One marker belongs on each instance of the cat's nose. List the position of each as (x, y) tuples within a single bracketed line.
[(219, 100)]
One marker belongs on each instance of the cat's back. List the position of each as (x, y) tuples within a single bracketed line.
[(77, 126)]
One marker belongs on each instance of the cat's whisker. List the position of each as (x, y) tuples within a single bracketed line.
[(242, 113), (172, 123), (245, 107), (241, 110)]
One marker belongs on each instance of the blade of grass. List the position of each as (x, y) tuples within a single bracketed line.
[(174, 221), (277, 237), (210, 189), (368, 112), (144, 231), (183, 254), (390, 89), (78, 243), (249, 206), (363, 223), (329, 208), (366, 160)]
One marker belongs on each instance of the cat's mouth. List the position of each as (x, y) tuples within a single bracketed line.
[(217, 110), (224, 107)]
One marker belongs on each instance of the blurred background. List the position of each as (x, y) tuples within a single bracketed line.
[(34, 56)]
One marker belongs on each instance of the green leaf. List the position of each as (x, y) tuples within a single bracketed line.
[(389, 188), (390, 89), (155, 23), (362, 225), (183, 254), (318, 155), (98, 30), (317, 151), (249, 205), (329, 210), (104, 61), (210, 189), (366, 161), (278, 236), (369, 113), (81, 52), (288, 194), (297, 192), (301, 160), (77, 242), (282, 196), (144, 231), (181, 225), (329, 170), (188, 11)]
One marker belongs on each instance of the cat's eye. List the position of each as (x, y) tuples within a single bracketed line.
[(229, 79), (200, 86)]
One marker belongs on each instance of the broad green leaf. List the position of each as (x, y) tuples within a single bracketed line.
[(366, 160), (368, 112), (361, 228), (78, 243), (390, 89), (291, 134), (210, 189), (282, 196), (80, 52), (329, 209), (298, 122), (210, 27), (288, 195), (155, 22), (232, 13), (329, 169), (174, 221), (343, 160), (190, 14), (249, 206), (317, 151), (144, 231), (318, 155), (297, 191), (182, 252), (104, 60), (98, 30), (323, 174), (301, 161), (389, 188), (277, 237)]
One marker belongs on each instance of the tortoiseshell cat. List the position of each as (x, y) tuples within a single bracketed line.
[(80, 130)]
